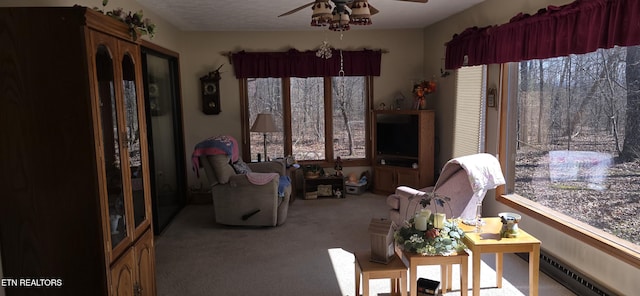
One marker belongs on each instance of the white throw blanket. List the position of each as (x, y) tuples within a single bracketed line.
[(483, 169), (484, 174)]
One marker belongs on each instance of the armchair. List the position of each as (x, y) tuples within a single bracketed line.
[(260, 197), (464, 179)]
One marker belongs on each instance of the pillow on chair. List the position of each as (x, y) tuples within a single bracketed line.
[(241, 167), (221, 166)]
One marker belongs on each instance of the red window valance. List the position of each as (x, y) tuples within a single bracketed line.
[(578, 27), (294, 63)]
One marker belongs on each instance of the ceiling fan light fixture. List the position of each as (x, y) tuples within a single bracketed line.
[(340, 21), (361, 13), (321, 13)]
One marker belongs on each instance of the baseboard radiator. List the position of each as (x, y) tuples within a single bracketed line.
[(573, 280)]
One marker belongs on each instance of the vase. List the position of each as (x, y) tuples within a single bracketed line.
[(115, 219), (423, 104)]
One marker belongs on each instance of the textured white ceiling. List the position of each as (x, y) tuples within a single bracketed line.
[(262, 15)]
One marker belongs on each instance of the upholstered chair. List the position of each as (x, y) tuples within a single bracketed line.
[(253, 194)]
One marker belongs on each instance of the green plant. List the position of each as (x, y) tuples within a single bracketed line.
[(137, 25), (440, 200)]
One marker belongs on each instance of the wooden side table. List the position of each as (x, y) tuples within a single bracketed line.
[(489, 241), (396, 270), (311, 184), (445, 262)]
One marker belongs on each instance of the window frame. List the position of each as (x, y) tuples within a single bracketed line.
[(608, 243), (328, 109)]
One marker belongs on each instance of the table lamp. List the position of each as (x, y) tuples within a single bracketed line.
[(264, 124)]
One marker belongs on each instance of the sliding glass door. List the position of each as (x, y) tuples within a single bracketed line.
[(164, 128)]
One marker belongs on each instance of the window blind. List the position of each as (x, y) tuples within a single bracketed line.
[(470, 110)]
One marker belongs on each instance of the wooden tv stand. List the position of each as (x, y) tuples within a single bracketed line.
[(397, 171)]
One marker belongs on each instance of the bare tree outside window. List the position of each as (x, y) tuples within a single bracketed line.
[(307, 118), (349, 101), (578, 138)]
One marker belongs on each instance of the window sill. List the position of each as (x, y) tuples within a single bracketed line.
[(608, 243)]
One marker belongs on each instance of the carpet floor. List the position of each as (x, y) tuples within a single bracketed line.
[(311, 254)]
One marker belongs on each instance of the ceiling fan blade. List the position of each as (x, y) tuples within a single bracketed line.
[(417, 1), (297, 9)]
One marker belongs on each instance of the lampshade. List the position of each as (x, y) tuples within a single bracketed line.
[(360, 13), (340, 21), (264, 124), (321, 13)]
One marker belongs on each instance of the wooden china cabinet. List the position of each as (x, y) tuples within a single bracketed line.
[(75, 179)]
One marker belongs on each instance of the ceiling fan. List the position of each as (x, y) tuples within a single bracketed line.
[(339, 14)]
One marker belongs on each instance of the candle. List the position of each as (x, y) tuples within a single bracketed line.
[(421, 222), (426, 213), (438, 220)]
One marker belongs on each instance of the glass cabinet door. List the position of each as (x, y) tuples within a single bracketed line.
[(110, 139), (123, 140), (133, 135)]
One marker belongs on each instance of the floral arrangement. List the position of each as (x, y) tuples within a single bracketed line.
[(433, 241), (424, 87), (137, 25), (421, 89), (440, 237)]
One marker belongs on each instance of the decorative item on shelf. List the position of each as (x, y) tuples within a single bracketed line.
[(338, 166), (420, 90), (325, 190), (399, 99), (115, 220), (337, 193), (137, 25), (430, 233), (312, 171), (509, 224)]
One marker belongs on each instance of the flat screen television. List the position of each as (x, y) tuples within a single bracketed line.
[(397, 135)]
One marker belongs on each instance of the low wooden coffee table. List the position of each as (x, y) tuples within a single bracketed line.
[(445, 262), (489, 241)]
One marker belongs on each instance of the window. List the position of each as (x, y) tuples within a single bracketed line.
[(318, 118), (573, 126), (307, 120), (349, 118), (266, 97)]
